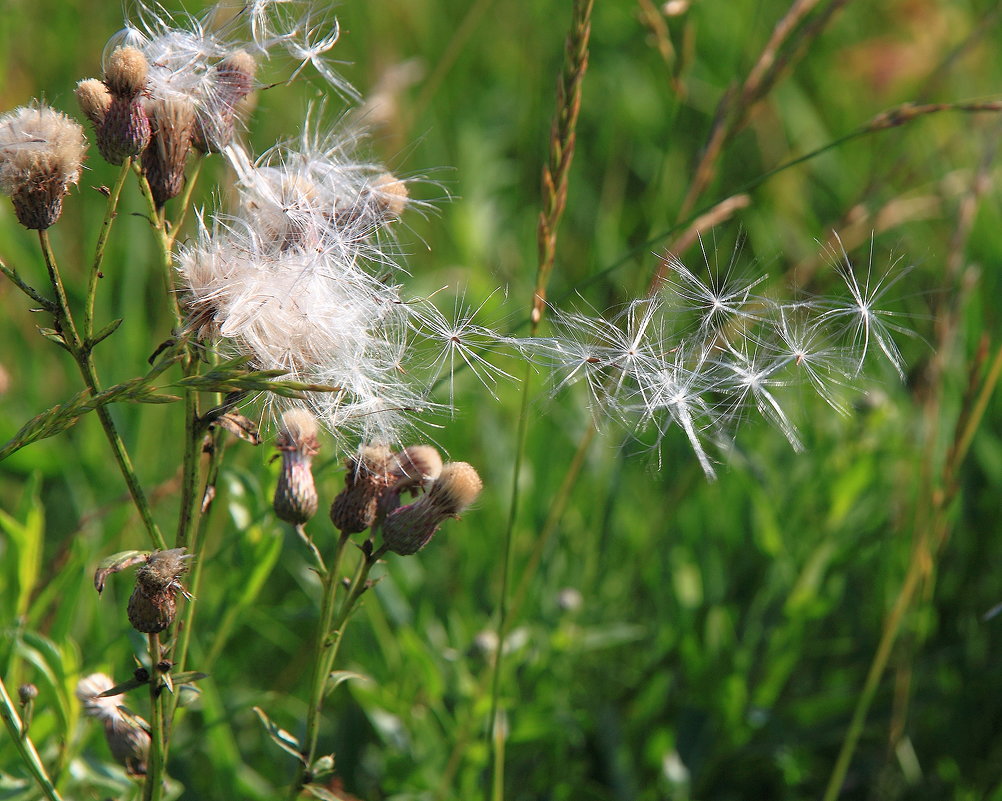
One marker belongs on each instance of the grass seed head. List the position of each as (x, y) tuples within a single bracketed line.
[(41, 155)]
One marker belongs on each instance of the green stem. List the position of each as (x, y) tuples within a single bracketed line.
[(102, 239), (21, 740), (183, 201), (82, 355), (179, 653), (153, 785), (330, 633), (192, 453)]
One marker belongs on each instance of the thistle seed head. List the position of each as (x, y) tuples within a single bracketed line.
[(126, 72), (412, 469), (172, 122), (295, 498), (367, 478), (94, 99), (390, 193), (129, 744), (152, 605), (408, 529), (41, 153), (233, 81)]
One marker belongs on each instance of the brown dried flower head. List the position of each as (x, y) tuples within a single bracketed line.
[(234, 80), (367, 478), (408, 529), (41, 153), (94, 100), (412, 468), (128, 741), (153, 605), (296, 495), (126, 73), (172, 123)]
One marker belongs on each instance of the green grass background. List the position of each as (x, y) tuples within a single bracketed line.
[(723, 631)]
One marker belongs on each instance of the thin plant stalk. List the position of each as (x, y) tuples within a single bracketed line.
[(152, 787), (556, 174), (930, 540), (330, 633), (82, 356), (25, 747), (111, 211)]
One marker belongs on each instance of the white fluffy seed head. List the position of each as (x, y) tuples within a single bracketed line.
[(41, 156)]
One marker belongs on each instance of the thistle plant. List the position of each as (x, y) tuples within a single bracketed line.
[(299, 321)]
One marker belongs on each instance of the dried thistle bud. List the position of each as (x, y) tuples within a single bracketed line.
[(367, 478), (94, 99), (296, 495), (152, 605), (391, 193), (41, 152), (415, 465), (412, 468), (234, 79), (126, 72), (27, 693), (172, 121), (128, 741), (408, 529), (125, 130)]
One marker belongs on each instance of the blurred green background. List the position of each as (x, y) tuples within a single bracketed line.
[(680, 639)]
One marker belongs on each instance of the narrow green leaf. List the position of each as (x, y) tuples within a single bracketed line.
[(280, 737)]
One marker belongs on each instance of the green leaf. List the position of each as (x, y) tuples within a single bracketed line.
[(27, 536), (105, 332), (322, 766), (280, 737), (116, 563), (124, 687), (337, 677)]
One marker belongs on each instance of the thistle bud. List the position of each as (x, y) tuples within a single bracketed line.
[(234, 79), (125, 75), (128, 741), (152, 606), (412, 468), (172, 121), (27, 693), (94, 99), (296, 495), (408, 529), (367, 478), (41, 152)]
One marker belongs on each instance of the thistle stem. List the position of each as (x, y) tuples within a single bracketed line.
[(153, 785), (111, 211), (82, 356), (330, 633), (25, 747)]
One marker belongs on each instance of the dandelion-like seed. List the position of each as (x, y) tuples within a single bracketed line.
[(41, 155), (867, 321)]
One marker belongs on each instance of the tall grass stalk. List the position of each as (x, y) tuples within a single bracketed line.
[(554, 199)]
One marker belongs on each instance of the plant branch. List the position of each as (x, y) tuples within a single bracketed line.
[(25, 747), (111, 211)]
